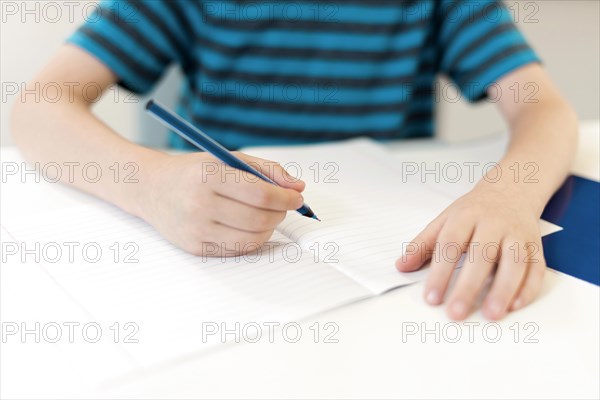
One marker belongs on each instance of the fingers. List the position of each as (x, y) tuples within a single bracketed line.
[(509, 276), (419, 250), (533, 278), (452, 242), (243, 217), (258, 194), (274, 171), (482, 255), (516, 283)]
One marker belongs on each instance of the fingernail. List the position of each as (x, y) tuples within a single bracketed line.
[(459, 309), (300, 201), (495, 309), (517, 304), (433, 297)]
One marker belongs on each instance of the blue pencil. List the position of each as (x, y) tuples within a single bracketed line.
[(206, 143)]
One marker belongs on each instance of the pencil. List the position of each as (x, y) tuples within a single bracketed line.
[(208, 144)]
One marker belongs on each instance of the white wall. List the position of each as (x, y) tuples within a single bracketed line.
[(566, 35), (567, 38), (30, 32)]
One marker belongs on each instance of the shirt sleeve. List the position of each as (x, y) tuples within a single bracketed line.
[(479, 44), (136, 39)]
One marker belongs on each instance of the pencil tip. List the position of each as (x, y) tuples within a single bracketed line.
[(317, 218)]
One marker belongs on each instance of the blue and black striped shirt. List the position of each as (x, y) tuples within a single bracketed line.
[(286, 72)]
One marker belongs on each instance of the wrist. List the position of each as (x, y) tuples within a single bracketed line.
[(526, 196), (142, 192)]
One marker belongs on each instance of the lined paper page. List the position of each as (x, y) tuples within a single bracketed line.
[(367, 212), (168, 293), (363, 240)]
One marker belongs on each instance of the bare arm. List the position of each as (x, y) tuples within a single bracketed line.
[(66, 131), (189, 208), (544, 132)]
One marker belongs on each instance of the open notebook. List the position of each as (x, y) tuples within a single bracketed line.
[(308, 266)]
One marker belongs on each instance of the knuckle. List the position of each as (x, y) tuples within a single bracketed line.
[(263, 221), (431, 226), (190, 205), (469, 213), (451, 238), (471, 209), (278, 167), (263, 196), (468, 289), (207, 201), (197, 235)]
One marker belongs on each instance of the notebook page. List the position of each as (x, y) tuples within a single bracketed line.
[(363, 240), (367, 213), (167, 293)]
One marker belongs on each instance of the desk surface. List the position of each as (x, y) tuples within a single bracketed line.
[(548, 350)]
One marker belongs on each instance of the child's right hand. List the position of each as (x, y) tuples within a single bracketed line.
[(207, 208)]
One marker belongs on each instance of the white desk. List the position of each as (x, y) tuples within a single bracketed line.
[(371, 358)]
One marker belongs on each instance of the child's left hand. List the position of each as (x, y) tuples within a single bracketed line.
[(495, 227)]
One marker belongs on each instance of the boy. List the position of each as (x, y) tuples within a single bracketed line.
[(372, 65)]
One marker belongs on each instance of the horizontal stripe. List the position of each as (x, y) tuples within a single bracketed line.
[(335, 81), (129, 47), (348, 41), (332, 69), (301, 119), (500, 69), (307, 52), (159, 22), (312, 16), (495, 45), (211, 123), (480, 42), (182, 17), (468, 15), (140, 38), (490, 62), (142, 70), (313, 108), (306, 94), (310, 124), (123, 73), (393, 28)]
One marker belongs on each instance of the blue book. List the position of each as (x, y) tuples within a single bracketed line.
[(576, 249)]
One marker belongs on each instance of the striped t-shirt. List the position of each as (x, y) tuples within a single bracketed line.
[(286, 72)]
